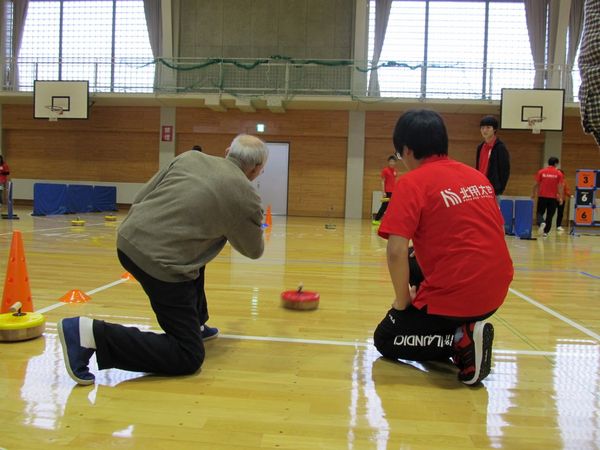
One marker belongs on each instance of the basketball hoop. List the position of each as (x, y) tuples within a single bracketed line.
[(55, 113), (535, 124)]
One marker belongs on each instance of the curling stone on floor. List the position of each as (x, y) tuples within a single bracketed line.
[(77, 222), (20, 326), (299, 299)]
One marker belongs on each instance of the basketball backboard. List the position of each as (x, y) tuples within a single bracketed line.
[(532, 109), (60, 99)]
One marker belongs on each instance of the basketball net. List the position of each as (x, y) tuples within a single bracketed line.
[(55, 113), (535, 124)]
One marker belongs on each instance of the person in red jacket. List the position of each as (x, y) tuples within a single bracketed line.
[(388, 179), (549, 188), (449, 211), (4, 173)]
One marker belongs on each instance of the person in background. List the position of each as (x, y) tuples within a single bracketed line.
[(197, 148), (493, 159), (388, 179), (560, 210), (549, 189), (4, 173)]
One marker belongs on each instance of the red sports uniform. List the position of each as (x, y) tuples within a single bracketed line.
[(548, 180), (449, 210)]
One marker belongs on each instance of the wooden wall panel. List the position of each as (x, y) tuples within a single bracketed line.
[(318, 146), (120, 144), (117, 144)]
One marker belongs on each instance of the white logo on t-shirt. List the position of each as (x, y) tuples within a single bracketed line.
[(450, 198), (467, 194)]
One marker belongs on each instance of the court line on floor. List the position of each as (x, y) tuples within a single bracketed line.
[(360, 344), (363, 344), (53, 229), (589, 275), (556, 314), (355, 344)]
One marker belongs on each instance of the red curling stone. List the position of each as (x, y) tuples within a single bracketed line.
[(299, 299)]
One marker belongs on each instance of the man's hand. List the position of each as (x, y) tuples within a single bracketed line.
[(401, 305)]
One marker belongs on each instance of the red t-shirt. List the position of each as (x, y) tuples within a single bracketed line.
[(548, 180), (389, 176), (4, 169), (484, 156), (449, 210)]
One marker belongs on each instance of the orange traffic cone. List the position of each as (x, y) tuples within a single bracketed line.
[(16, 285), (75, 296), (269, 219)]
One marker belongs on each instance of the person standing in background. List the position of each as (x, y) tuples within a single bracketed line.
[(492, 158), (388, 180), (549, 188), (4, 173)]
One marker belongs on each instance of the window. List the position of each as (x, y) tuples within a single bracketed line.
[(510, 63), (103, 41), (444, 43)]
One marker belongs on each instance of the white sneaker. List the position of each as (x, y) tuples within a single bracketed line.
[(541, 227), (545, 235), (560, 229)]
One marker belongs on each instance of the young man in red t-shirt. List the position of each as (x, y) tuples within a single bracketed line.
[(388, 179), (549, 188), (449, 211)]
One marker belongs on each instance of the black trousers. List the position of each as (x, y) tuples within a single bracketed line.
[(383, 207), (546, 206), (180, 309), (560, 211), (414, 334)]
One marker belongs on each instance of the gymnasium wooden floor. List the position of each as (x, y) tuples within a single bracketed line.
[(283, 379)]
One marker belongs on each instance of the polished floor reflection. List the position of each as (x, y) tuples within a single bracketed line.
[(305, 379)]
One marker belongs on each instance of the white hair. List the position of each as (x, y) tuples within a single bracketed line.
[(249, 151)]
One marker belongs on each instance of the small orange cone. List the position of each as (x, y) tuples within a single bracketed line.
[(75, 296), (127, 276), (16, 285), (269, 219)]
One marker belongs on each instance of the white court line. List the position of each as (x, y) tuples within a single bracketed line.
[(50, 229), (93, 291), (558, 315), (365, 344), (362, 344), (295, 340)]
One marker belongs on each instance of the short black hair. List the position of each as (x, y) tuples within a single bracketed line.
[(489, 121), (197, 147), (552, 161), (423, 131), (392, 157)]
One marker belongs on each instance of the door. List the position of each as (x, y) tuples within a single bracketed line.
[(272, 183)]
